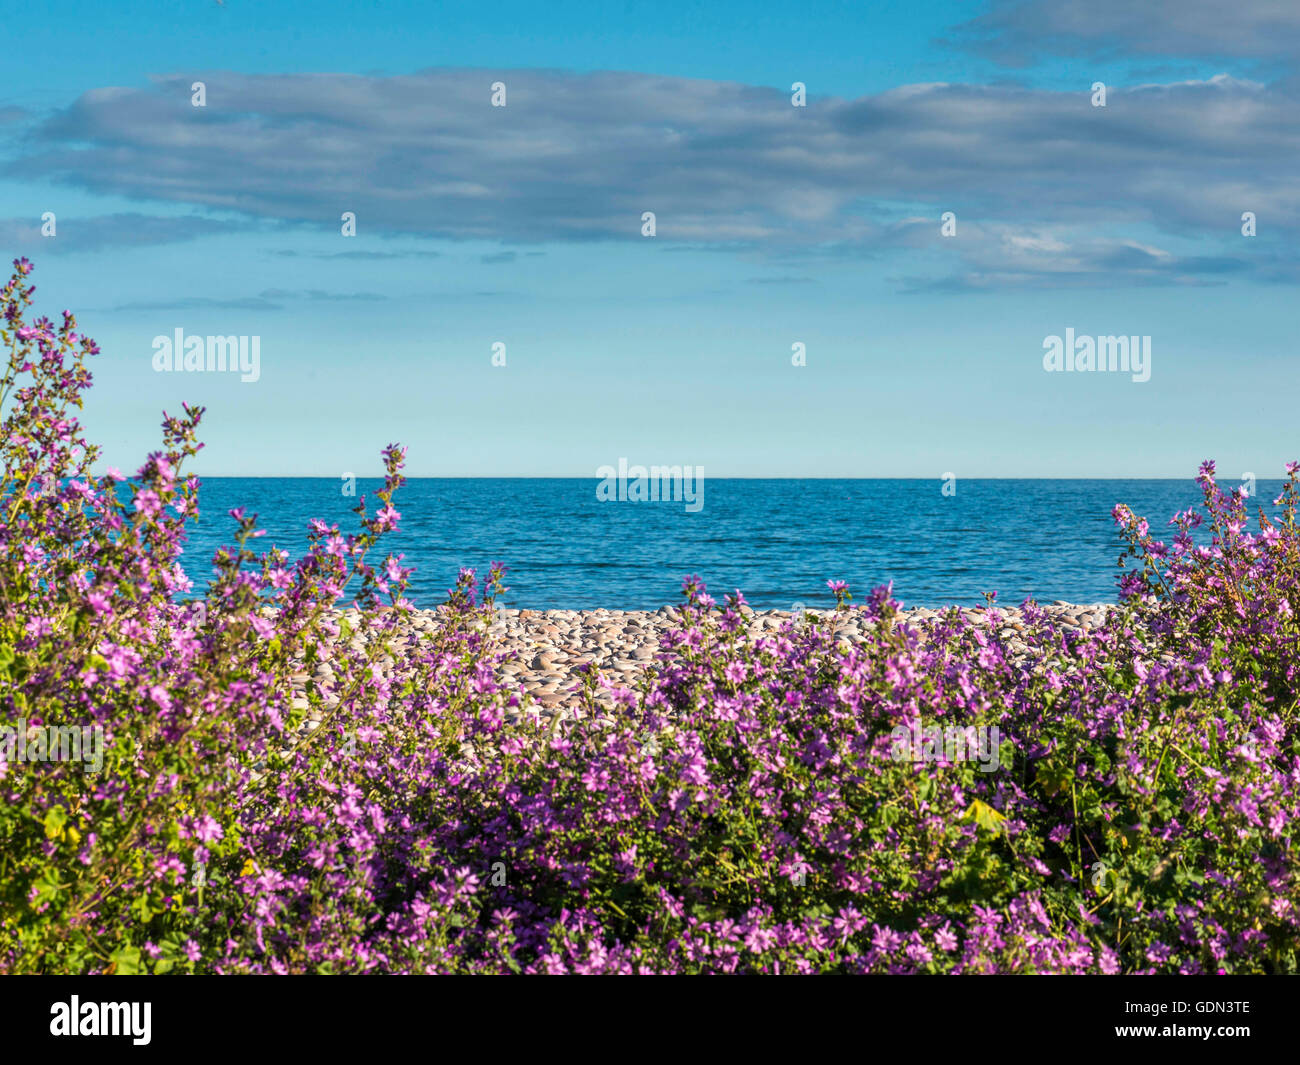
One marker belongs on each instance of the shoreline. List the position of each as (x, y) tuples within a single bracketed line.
[(549, 645), (544, 648)]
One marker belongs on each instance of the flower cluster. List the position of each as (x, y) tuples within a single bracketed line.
[(741, 811)]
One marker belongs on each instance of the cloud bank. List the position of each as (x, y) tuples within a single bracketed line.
[(1047, 188)]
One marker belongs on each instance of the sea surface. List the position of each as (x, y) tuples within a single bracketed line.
[(778, 541)]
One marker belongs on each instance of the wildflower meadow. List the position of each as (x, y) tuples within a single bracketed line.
[(744, 809)]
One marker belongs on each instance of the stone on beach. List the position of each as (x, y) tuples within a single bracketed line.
[(545, 649)]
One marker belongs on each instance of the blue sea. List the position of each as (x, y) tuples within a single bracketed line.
[(778, 541)]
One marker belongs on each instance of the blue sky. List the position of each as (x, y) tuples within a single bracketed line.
[(776, 225)]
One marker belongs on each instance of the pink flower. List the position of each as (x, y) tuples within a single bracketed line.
[(148, 503)]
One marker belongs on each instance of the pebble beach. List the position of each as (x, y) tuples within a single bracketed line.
[(543, 649)]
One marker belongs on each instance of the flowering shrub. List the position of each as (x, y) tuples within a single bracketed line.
[(743, 811)]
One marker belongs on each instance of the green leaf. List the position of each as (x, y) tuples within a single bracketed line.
[(55, 818), (142, 909), (984, 815), (1054, 778), (126, 961), (46, 887)]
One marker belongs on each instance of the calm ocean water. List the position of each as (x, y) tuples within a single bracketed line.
[(776, 540)]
